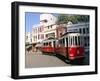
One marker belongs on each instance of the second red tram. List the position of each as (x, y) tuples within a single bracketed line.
[(49, 46), (70, 45)]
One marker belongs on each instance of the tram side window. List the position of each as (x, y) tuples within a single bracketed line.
[(71, 40), (60, 42), (49, 43), (85, 41), (75, 40), (88, 40), (81, 40), (44, 44), (66, 41), (78, 40)]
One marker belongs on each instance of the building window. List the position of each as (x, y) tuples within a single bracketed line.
[(60, 34), (83, 30), (75, 30), (31, 40), (51, 26), (87, 30), (42, 36), (48, 27), (42, 28), (38, 36), (34, 38), (38, 29), (46, 35), (45, 21), (80, 30), (88, 40), (26, 37), (85, 41)]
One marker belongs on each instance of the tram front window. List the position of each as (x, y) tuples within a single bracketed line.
[(54, 43), (63, 42), (67, 42), (77, 40)]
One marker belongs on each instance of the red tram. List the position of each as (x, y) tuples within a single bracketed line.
[(70, 45), (49, 46)]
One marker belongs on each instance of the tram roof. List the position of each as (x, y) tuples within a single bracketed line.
[(49, 39), (69, 33)]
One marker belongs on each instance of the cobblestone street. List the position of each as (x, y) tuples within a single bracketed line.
[(37, 59)]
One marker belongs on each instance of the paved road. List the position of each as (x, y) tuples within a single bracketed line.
[(37, 59)]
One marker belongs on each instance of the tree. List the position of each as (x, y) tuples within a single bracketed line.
[(62, 18)]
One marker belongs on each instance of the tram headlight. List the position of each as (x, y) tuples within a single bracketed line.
[(70, 49), (71, 55)]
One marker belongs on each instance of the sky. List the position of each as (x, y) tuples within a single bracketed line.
[(31, 19)]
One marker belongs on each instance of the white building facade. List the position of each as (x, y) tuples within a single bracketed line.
[(28, 38), (49, 23), (37, 33), (45, 29)]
